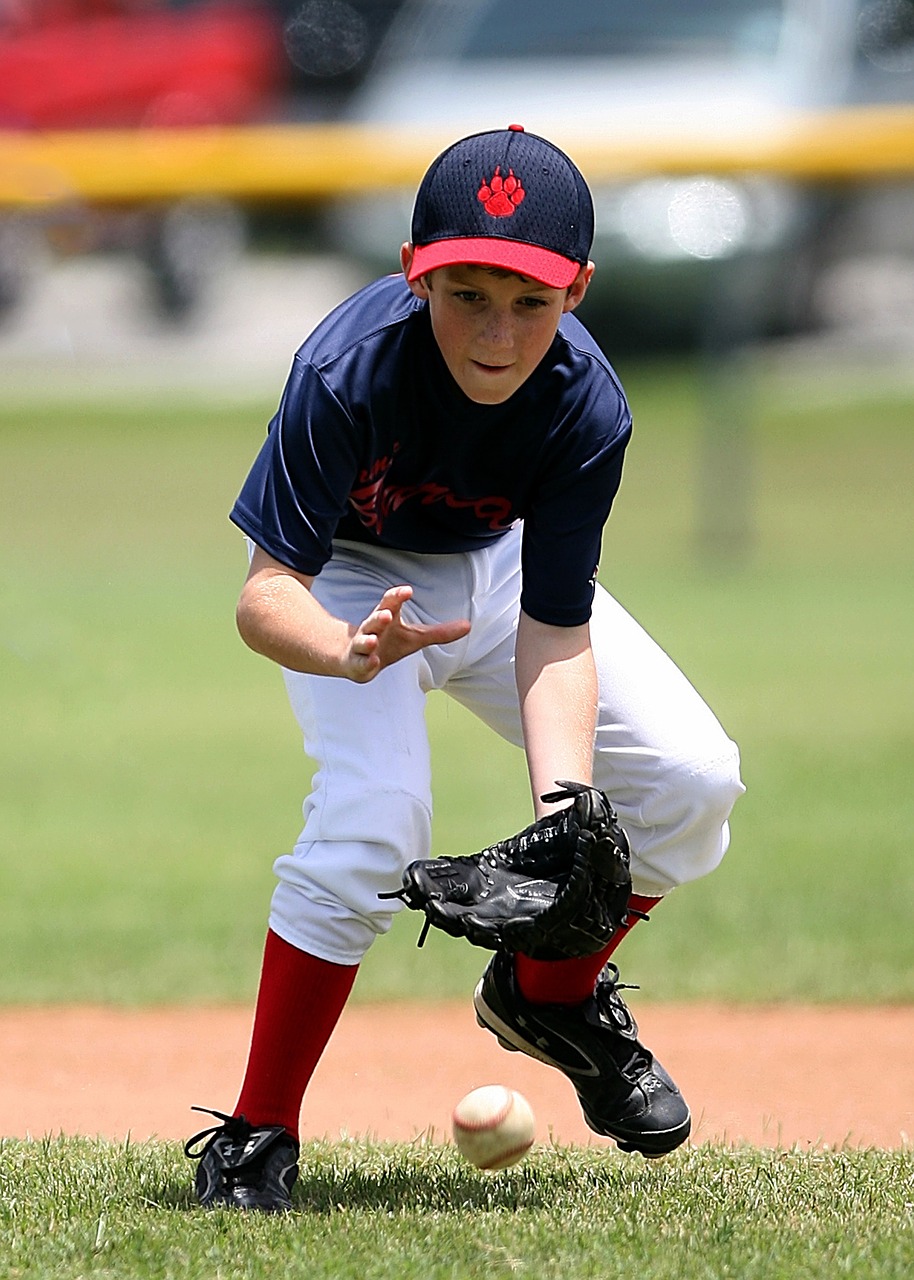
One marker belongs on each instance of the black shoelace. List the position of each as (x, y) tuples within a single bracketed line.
[(237, 1128)]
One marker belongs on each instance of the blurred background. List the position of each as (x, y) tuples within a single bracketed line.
[(682, 256), (186, 188)]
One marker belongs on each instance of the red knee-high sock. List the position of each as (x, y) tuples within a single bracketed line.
[(572, 981), (298, 1005)]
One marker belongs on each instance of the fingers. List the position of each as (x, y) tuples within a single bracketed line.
[(387, 610), (445, 632), (388, 614), (362, 661), (364, 644), (385, 637), (394, 598)]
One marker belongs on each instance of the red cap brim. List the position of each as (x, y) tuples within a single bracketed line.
[(511, 255)]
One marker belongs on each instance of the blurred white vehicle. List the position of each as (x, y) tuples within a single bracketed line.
[(672, 254)]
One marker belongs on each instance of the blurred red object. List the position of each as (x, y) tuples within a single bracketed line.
[(108, 65)]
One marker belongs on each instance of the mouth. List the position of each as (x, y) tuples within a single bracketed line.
[(491, 368)]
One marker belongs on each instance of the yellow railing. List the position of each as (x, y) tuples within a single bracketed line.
[(313, 162)]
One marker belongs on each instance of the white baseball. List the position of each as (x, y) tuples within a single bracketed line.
[(494, 1127)]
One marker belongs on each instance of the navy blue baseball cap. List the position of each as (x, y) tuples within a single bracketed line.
[(505, 198)]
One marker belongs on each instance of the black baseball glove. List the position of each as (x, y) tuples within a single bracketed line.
[(557, 889)]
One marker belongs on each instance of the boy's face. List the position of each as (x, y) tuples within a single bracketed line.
[(492, 327)]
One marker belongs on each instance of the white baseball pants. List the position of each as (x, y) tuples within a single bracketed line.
[(662, 757)]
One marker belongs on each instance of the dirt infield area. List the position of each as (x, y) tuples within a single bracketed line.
[(771, 1076)]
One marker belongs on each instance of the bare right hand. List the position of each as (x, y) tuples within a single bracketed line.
[(279, 617), (384, 637)]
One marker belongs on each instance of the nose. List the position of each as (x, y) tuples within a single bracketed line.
[(498, 333)]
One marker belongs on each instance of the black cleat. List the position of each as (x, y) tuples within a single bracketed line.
[(244, 1166), (624, 1092)]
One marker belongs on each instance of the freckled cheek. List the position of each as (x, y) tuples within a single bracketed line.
[(528, 353), (537, 347)]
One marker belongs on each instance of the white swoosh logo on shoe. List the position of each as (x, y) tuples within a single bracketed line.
[(537, 1048), (543, 1042)]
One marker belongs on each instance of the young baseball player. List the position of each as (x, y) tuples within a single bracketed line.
[(426, 512)]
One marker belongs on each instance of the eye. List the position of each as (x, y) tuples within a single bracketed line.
[(467, 295), (532, 303)]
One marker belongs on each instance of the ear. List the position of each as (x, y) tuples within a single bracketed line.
[(419, 287), (578, 287)]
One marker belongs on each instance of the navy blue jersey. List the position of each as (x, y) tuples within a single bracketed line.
[(374, 442)]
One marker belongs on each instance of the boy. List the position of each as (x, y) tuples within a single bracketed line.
[(426, 513)]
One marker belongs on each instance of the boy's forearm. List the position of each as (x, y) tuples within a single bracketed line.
[(557, 689), (278, 617)]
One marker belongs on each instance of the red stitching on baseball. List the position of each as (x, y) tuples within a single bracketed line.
[(491, 1122), (507, 1155)]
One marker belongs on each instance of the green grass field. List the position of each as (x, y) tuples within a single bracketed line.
[(151, 772), (366, 1211), (79, 1208)]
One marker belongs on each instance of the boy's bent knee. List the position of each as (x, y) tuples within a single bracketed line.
[(681, 831), (327, 899), (715, 785)]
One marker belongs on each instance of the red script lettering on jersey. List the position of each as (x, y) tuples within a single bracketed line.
[(373, 500)]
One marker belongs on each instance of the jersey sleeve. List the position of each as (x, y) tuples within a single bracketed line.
[(563, 529), (297, 490)]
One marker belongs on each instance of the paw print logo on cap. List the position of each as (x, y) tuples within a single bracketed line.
[(501, 196)]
